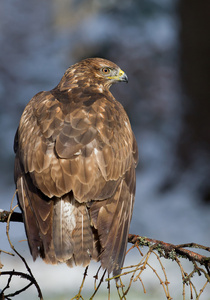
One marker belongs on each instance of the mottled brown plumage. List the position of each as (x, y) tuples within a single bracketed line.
[(75, 169)]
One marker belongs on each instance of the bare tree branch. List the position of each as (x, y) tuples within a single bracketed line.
[(22, 275), (169, 250), (15, 217)]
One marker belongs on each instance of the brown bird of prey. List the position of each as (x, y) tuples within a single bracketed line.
[(75, 169)]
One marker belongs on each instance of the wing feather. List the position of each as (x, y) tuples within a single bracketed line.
[(37, 212), (112, 219), (91, 146)]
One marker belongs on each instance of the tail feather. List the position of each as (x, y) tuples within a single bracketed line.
[(64, 222), (83, 237)]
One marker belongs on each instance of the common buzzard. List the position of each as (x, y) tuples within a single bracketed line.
[(75, 169)]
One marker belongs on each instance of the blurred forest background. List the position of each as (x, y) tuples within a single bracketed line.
[(163, 46)]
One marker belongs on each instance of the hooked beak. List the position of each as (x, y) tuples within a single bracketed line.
[(122, 76)]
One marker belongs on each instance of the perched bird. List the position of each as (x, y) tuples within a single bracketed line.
[(75, 169)]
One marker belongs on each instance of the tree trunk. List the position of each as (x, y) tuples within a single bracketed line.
[(194, 139)]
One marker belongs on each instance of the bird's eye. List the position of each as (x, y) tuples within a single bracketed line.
[(105, 70)]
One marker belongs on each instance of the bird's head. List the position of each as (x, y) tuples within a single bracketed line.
[(94, 71), (106, 71)]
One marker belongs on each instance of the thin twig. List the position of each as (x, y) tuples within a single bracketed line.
[(101, 280), (21, 257), (78, 296), (6, 252)]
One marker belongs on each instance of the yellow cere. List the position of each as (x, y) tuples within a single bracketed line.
[(121, 72)]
